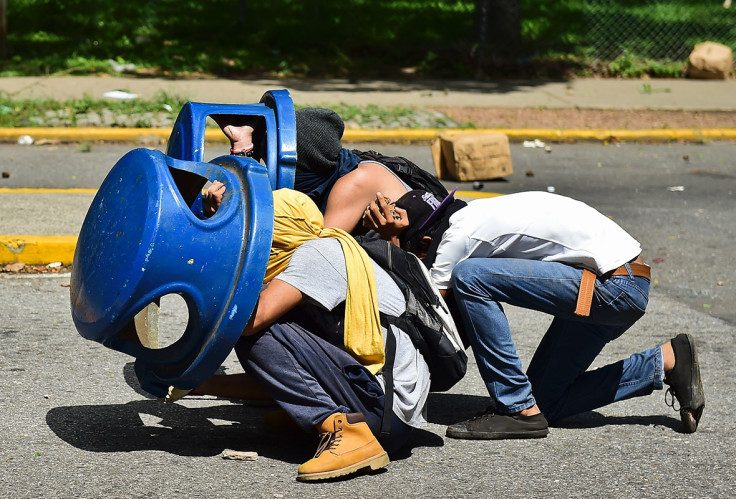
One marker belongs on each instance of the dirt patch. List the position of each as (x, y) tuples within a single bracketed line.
[(22, 268), (495, 117)]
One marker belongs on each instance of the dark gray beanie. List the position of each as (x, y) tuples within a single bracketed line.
[(318, 134)]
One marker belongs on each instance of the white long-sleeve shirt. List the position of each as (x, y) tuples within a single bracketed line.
[(533, 226)]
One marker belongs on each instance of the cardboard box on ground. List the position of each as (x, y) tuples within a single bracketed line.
[(472, 156)]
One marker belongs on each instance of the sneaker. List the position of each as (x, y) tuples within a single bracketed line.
[(491, 426), (685, 383), (347, 445)]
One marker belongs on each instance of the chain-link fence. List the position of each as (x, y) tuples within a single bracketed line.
[(657, 29)]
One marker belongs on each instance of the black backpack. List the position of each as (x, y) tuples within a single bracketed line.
[(411, 174), (427, 319)]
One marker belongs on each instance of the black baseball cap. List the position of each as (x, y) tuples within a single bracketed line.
[(422, 208)]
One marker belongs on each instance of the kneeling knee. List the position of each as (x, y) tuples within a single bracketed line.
[(464, 277)]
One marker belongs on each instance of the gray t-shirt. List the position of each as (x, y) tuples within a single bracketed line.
[(317, 270)]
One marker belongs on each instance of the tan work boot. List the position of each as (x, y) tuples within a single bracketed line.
[(347, 446)]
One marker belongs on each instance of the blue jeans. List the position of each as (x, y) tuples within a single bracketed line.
[(558, 373)]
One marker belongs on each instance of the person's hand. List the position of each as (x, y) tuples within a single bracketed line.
[(385, 218), (213, 198)]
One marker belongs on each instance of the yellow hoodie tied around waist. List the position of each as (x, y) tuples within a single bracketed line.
[(297, 220)]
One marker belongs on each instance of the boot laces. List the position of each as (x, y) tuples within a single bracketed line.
[(486, 414), (328, 441), (670, 401)]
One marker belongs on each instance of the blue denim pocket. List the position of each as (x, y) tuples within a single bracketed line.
[(636, 290), (620, 300)]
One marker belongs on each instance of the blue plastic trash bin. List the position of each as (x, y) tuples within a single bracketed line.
[(145, 236), (141, 241)]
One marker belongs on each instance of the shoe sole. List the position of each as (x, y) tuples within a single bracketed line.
[(479, 435), (690, 416), (374, 463)]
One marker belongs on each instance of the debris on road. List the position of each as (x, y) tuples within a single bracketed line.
[(14, 267), (22, 268), (239, 455), (536, 143)]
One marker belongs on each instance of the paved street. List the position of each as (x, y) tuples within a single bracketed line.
[(73, 424), (72, 427), (689, 231)]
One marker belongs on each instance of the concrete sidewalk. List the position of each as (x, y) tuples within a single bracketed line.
[(666, 94)]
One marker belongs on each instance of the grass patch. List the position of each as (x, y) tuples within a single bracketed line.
[(38, 112), (142, 112)]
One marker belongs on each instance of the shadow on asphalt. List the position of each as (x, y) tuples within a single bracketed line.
[(151, 425), (450, 408), (207, 431), (596, 420), (142, 425), (355, 85)]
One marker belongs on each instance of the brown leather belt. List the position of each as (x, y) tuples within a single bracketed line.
[(587, 282)]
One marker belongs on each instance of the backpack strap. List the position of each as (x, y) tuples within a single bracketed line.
[(388, 378), (407, 171)]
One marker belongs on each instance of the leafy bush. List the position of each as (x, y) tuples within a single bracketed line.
[(354, 38)]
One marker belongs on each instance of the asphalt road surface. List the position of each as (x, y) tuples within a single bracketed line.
[(73, 423)]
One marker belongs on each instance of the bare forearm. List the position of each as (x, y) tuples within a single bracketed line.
[(273, 302)]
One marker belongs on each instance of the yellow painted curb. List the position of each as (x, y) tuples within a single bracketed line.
[(352, 135), (44, 190), (549, 134), (103, 134), (89, 133), (477, 194), (37, 250)]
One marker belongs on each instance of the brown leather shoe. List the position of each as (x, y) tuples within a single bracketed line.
[(347, 446)]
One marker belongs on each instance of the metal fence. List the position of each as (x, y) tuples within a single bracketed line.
[(657, 29)]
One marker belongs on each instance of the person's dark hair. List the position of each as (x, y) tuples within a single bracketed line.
[(425, 213), (318, 135), (414, 244), (435, 229)]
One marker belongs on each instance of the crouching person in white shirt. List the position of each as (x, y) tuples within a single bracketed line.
[(559, 256)]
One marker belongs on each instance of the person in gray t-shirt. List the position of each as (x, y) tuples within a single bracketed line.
[(315, 343), (317, 270)]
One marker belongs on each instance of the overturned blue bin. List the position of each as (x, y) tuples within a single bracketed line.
[(144, 237)]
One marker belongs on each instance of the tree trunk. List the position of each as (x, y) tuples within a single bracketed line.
[(3, 29), (498, 31)]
